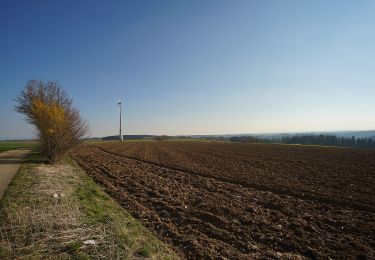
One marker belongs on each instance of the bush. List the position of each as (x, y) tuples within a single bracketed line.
[(50, 110)]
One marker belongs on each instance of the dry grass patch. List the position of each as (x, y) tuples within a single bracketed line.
[(57, 211)]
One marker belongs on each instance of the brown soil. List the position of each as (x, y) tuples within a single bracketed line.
[(241, 201)]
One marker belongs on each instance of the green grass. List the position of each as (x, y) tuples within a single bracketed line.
[(116, 141), (151, 140), (12, 145), (34, 225), (190, 140)]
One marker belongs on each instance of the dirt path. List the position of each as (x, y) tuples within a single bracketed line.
[(9, 164)]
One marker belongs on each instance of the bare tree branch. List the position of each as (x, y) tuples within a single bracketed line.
[(49, 108)]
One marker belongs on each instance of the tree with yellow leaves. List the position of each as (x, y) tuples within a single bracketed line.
[(50, 110)]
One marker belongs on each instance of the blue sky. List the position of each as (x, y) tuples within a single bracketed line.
[(195, 67)]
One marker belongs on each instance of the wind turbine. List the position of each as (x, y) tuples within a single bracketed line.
[(120, 136)]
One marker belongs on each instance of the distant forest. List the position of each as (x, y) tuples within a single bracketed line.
[(326, 140)]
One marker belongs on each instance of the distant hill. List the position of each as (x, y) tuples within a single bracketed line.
[(356, 134)]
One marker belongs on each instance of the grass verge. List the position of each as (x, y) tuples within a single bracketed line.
[(12, 145), (59, 212)]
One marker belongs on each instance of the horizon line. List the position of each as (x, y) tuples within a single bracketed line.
[(233, 134)]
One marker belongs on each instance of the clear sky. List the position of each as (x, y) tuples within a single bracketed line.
[(195, 67)]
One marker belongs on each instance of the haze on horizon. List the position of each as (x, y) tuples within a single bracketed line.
[(195, 67)]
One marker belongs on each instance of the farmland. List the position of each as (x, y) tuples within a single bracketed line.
[(224, 200), (12, 145)]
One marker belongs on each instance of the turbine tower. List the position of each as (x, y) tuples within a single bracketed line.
[(120, 136)]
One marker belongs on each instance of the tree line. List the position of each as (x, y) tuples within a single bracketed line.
[(326, 140)]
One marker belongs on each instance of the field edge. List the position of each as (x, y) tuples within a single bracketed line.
[(28, 216)]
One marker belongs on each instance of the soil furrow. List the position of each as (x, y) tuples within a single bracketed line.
[(208, 218), (315, 197)]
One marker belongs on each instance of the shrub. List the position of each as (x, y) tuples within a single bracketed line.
[(50, 110)]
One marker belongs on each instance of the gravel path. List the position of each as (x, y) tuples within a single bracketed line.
[(9, 164)]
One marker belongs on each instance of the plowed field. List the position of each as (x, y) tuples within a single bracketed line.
[(240, 201)]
